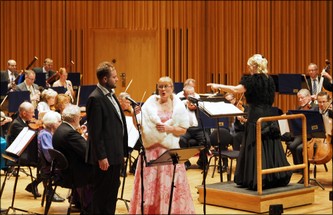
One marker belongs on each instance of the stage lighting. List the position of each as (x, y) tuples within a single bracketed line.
[(275, 209)]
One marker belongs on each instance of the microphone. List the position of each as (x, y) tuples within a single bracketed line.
[(131, 100), (193, 100)]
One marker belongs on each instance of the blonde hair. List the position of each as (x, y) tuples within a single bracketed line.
[(166, 79), (259, 61)]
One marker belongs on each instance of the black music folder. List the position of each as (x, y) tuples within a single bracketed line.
[(41, 79), (83, 94), (289, 83), (16, 98), (314, 124), (59, 90), (75, 78), (4, 88)]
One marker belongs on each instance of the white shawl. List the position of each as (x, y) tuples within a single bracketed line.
[(150, 135)]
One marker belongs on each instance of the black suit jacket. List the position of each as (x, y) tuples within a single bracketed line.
[(69, 142), (30, 155), (107, 136), (5, 76), (40, 70), (326, 84)]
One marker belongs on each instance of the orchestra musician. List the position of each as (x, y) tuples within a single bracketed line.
[(62, 100), (295, 145), (63, 82), (29, 85), (194, 135), (47, 69), (47, 103), (26, 114), (188, 82), (10, 74), (315, 79)]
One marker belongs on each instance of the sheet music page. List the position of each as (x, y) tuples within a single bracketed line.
[(284, 126), (218, 108), (21, 141), (133, 133)]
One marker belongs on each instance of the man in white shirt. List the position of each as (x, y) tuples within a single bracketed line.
[(10, 74)]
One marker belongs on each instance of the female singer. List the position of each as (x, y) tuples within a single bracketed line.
[(164, 119), (258, 89), (63, 82)]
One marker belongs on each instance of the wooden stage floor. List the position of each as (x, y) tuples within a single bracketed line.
[(321, 204)]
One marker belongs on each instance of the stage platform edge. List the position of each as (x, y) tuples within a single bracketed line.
[(228, 194)]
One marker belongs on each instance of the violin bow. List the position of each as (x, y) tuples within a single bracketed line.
[(129, 84), (144, 94)]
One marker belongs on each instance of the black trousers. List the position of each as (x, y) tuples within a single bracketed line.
[(105, 189)]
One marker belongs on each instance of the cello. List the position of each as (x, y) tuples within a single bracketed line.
[(320, 149)]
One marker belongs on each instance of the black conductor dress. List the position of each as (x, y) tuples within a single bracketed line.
[(259, 95)]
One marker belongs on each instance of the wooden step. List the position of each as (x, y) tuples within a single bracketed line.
[(228, 194)]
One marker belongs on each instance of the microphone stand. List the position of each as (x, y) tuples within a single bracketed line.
[(196, 102), (143, 158)]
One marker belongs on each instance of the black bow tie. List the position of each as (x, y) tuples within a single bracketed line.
[(109, 94)]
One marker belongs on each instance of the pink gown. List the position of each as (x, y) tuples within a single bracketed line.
[(157, 185)]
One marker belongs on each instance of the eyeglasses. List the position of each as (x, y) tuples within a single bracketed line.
[(161, 87)]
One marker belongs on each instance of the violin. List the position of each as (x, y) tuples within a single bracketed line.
[(35, 124)]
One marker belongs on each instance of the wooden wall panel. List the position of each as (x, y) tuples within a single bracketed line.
[(205, 40)]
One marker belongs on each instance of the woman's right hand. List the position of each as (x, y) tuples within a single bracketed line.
[(213, 86)]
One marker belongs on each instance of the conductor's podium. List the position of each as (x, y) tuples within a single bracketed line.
[(228, 194)]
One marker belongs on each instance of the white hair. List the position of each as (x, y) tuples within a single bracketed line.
[(50, 118), (70, 112)]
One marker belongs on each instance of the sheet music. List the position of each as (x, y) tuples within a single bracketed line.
[(133, 133), (284, 126), (21, 141), (220, 108)]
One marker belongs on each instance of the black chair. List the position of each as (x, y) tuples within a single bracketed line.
[(230, 154), (59, 163)]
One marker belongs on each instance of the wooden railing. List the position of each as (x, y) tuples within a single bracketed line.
[(304, 165)]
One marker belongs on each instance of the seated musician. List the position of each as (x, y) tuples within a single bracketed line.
[(47, 69), (188, 82), (238, 125), (63, 82), (47, 102), (128, 111), (194, 135), (68, 140), (10, 74), (29, 85), (26, 114), (295, 146), (62, 101), (51, 120)]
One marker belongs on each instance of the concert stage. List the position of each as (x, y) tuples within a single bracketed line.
[(228, 194)]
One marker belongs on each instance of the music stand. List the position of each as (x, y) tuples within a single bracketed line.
[(219, 110), (59, 90), (13, 153), (4, 88), (174, 156), (178, 87), (314, 128), (75, 78), (41, 79), (289, 83), (16, 98), (83, 94)]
